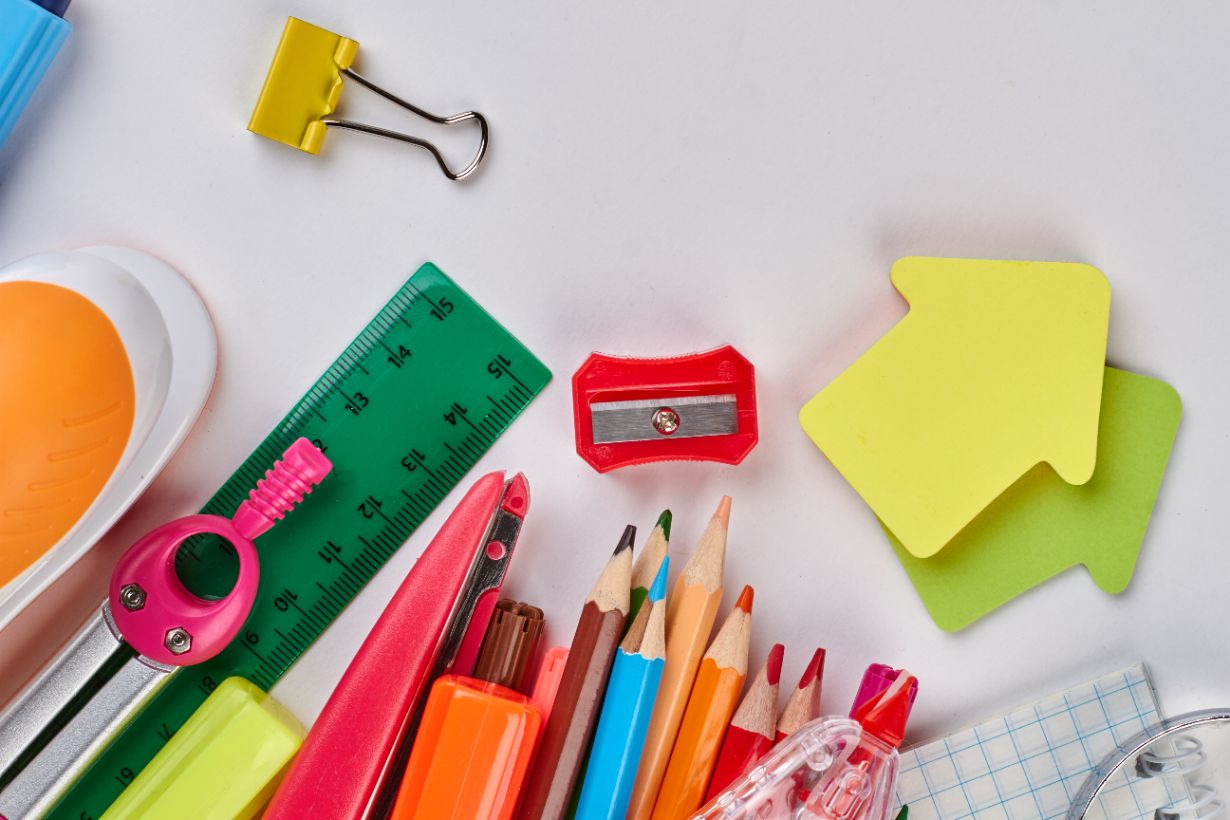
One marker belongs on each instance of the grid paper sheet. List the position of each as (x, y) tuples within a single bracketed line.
[(1031, 762)]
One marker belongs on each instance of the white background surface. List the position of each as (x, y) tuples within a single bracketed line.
[(664, 178)]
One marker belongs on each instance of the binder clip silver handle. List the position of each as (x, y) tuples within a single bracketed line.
[(465, 116)]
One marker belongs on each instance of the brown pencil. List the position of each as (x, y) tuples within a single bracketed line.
[(565, 739)]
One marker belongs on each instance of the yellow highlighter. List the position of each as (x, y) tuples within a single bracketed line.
[(223, 764)]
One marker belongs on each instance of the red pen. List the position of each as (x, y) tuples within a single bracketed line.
[(352, 759)]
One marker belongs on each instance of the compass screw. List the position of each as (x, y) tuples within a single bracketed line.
[(665, 421), (132, 597), (178, 640)]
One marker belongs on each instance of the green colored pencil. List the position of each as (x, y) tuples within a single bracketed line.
[(646, 567)]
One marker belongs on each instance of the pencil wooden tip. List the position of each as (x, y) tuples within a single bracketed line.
[(625, 540), (814, 669), (658, 591), (773, 666), (664, 523), (745, 599), (723, 511), (614, 587)]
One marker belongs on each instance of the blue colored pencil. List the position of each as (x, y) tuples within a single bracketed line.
[(619, 739)]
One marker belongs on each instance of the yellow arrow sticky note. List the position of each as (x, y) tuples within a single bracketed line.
[(996, 368)]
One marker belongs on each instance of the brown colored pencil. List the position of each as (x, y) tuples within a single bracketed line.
[(565, 739)]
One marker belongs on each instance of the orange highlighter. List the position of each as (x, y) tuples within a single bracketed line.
[(478, 733)]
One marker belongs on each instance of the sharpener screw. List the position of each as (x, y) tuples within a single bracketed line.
[(132, 597), (665, 421), (178, 640)]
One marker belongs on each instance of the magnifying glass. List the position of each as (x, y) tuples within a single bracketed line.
[(1178, 769)]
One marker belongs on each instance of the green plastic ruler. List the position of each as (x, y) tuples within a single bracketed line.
[(403, 413)]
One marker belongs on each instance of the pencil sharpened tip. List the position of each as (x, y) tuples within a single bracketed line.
[(664, 523), (722, 513), (814, 669), (745, 599), (657, 590), (625, 540), (773, 666)]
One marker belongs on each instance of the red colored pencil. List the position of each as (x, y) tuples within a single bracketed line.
[(751, 730), (803, 704)]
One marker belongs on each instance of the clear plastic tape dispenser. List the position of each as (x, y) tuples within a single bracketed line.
[(833, 768)]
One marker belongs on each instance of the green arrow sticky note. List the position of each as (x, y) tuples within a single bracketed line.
[(1042, 525)]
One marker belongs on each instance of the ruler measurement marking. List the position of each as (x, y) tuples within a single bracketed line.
[(446, 466), (472, 444), (437, 487), (299, 624), (464, 418), (318, 623), (504, 402), (344, 582), (278, 650), (411, 500), (389, 350), (461, 449), (305, 638), (421, 510), (329, 592), (243, 642), (496, 409), (362, 560)]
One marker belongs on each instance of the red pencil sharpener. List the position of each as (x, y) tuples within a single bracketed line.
[(699, 407)]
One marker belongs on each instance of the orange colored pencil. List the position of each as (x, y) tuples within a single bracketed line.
[(751, 731), (803, 705), (690, 613), (708, 713)]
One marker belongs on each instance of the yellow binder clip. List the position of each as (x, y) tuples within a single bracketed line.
[(303, 87)]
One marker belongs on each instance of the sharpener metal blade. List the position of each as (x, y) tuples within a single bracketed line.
[(639, 420)]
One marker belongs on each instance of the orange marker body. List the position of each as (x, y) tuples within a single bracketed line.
[(471, 752)]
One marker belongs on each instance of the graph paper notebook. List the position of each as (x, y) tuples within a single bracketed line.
[(1031, 762)]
